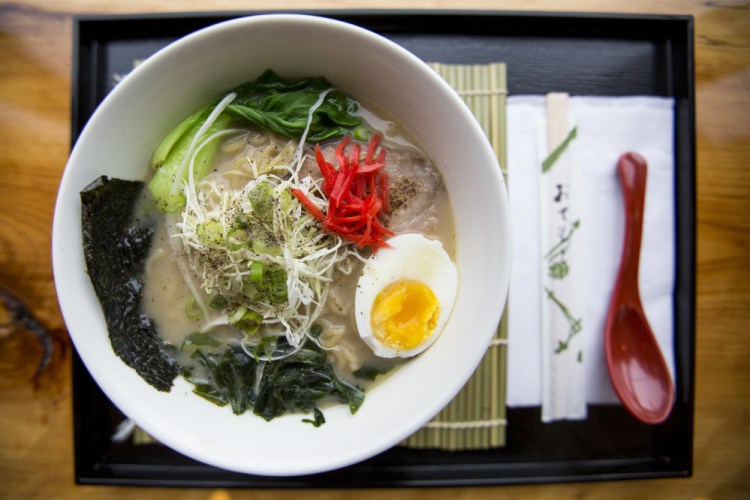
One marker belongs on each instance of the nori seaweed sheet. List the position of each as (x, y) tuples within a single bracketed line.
[(116, 247)]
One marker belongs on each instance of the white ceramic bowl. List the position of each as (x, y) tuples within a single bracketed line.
[(118, 141)]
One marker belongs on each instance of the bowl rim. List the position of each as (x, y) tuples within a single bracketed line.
[(59, 256)]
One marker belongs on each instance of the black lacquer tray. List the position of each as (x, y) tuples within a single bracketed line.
[(613, 55)]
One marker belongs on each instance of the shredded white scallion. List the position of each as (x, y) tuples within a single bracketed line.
[(297, 160)]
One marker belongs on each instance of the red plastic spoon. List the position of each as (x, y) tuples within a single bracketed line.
[(636, 366)]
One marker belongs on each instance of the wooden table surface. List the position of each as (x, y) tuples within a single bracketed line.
[(35, 414)]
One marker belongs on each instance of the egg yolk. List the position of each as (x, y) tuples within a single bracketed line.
[(404, 314)]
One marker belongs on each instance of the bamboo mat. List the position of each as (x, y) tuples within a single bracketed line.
[(475, 419)]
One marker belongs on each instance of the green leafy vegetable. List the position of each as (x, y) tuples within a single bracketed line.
[(283, 106), (316, 330), (370, 372), (317, 420), (169, 156), (295, 383), (232, 374), (200, 339)]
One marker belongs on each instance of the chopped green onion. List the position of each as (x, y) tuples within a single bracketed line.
[(262, 248), (218, 302), (242, 220), (256, 272), (237, 239), (192, 309), (276, 282), (362, 133), (246, 320), (210, 232), (261, 199), (285, 202), (279, 293), (200, 339), (250, 291), (171, 203)]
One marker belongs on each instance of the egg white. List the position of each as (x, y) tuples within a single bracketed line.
[(412, 256)]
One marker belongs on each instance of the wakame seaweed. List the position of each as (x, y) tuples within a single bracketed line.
[(116, 247), (295, 383)]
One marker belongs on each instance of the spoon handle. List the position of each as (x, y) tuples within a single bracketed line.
[(632, 169)]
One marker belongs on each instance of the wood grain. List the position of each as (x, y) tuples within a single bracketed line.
[(35, 413)]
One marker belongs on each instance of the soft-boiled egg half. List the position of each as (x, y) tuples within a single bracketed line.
[(405, 295)]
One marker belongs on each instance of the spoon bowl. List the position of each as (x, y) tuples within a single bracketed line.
[(637, 368)]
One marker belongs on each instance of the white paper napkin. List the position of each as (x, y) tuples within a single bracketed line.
[(606, 128)]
